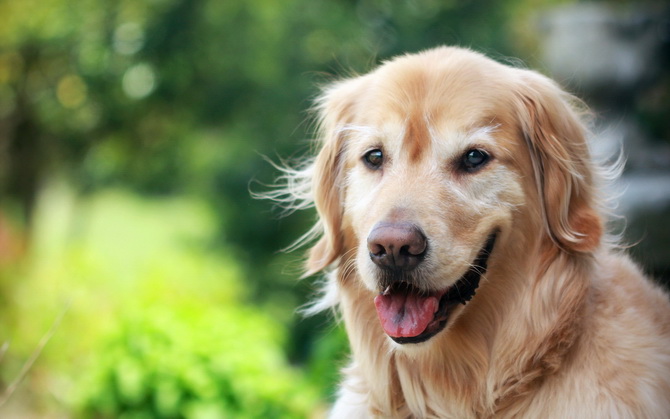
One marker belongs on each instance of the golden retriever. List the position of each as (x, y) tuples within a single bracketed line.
[(462, 223)]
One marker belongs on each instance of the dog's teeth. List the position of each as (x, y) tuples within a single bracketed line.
[(387, 291)]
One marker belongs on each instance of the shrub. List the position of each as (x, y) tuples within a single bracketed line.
[(194, 361), (158, 323)]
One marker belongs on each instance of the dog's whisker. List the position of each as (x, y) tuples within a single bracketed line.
[(350, 262)]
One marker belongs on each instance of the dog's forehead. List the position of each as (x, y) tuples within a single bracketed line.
[(415, 109), (417, 136)]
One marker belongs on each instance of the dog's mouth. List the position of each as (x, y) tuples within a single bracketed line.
[(411, 315)]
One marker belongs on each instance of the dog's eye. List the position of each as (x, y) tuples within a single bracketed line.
[(374, 158), (474, 159)]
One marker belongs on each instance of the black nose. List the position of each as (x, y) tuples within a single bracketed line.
[(396, 245)]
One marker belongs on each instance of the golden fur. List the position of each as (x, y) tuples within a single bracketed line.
[(563, 324)]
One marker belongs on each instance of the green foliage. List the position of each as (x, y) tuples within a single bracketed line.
[(158, 323), (194, 360)]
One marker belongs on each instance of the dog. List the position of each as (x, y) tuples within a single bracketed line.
[(462, 224)]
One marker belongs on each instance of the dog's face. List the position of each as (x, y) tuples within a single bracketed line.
[(429, 187), (432, 163)]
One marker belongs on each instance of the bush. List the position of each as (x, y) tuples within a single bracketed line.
[(158, 323), (194, 361)]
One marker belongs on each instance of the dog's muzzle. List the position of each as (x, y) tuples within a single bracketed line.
[(409, 314)]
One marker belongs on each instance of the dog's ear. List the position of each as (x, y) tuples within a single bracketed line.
[(334, 109), (552, 125)]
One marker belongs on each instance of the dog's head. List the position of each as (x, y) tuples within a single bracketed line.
[(431, 165)]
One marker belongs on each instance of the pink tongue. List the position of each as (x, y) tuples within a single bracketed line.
[(405, 315)]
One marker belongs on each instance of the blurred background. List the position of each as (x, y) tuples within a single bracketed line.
[(139, 279)]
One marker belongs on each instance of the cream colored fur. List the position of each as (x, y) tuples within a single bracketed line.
[(563, 324)]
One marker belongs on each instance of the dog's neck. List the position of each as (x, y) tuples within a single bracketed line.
[(528, 355), (454, 371)]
